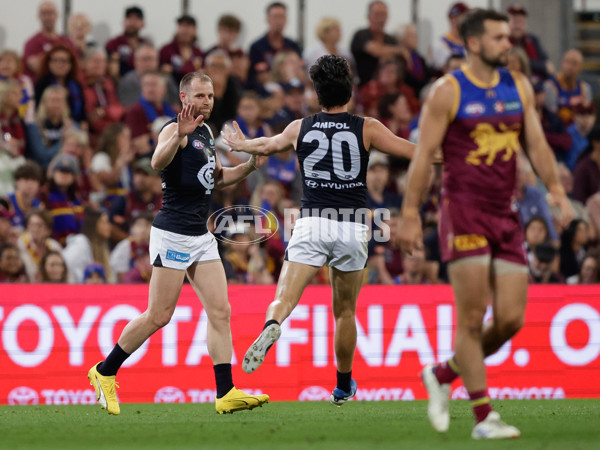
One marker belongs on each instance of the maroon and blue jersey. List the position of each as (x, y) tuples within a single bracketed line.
[(482, 140)]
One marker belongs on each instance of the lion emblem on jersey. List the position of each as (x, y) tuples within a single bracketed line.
[(491, 142), (205, 174)]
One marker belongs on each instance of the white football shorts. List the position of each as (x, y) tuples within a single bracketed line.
[(316, 241), (178, 251)]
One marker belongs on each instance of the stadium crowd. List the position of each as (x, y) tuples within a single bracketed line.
[(79, 122)]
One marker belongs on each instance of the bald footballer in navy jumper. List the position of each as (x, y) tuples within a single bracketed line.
[(180, 243), (333, 152)]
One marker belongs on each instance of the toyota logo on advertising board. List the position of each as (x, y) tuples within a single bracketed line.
[(23, 395), (314, 394), (169, 394)]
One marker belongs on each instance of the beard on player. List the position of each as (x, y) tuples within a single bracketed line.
[(500, 60)]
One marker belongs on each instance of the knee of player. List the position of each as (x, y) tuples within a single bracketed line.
[(509, 326), (472, 319), (220, 312), (160, 319)]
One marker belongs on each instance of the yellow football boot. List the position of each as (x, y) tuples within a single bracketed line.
[(105, 390), (237, 400)]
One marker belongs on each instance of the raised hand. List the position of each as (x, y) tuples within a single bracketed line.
[(185, 120), (234, 138)]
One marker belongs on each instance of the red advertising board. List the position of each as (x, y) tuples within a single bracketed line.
[(51, 335)]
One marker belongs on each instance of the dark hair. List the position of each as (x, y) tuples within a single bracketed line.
[(333, 81), (472, 22), (108, 140), (7, 246), (43, 266), (229, 21), (384, 103), (270, 6), (134, 10), (29, 171)]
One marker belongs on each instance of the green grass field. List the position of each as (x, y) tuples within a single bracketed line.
[(544, 424)]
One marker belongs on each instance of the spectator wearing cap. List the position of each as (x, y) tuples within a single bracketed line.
[(520, 38), (583, 121), (121, 49), (61, 197), (12, 269), (151, 105), (265, 48), (451, 42), (28, 179), (112, 164), (123, 257), (90, 246), (182, 55), (566, 90), (36, 242), (129, 88), (94, 274), (40, 43), (587, 170), (142, 198), (228, 33), (541, 270), (102, 106), (371, 44)]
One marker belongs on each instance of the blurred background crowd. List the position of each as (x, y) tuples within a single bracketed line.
[(79, 121)]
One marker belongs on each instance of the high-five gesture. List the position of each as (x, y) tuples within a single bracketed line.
[(234, 138), (185, 120)]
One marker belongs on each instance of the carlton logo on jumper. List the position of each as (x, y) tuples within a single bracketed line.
[(172, 255), (198, 144), (205, 174), (241, 224)]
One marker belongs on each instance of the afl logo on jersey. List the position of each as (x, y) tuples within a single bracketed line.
[(198, 144), (475, 109)]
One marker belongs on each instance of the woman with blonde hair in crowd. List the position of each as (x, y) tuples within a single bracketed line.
[(45, 135), (329, 32), (90, 246), (518, 61), (36, 242), (12, 143), (11, 69)]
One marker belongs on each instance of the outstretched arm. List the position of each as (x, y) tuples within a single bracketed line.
[(377, 135), (174, 136), (541, 155), (264, 145), (226, 176), (433, 124)]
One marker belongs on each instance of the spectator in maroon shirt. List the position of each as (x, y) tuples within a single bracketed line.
[(394, 113), (102, 105), (228, 32), (150, 106), (519, 37), (182, 55), (122, 48), (44, 40)]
